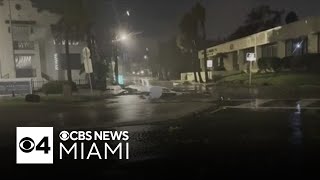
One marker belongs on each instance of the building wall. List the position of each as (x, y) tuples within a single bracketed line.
[(45, 49), (36, 25), (312, 43), (308, 28)]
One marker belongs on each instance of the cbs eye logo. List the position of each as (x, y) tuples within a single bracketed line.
[(34, 145), (64, 135), (27, 145)]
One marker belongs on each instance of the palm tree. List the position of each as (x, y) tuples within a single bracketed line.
[(187, 41), (72, 26), (199, 12)]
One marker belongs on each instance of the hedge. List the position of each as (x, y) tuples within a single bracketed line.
[(269, 63), (307, 62), (56, 87)]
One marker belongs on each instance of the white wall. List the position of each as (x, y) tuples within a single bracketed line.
[(41, 28)]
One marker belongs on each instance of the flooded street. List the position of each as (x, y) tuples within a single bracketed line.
[(110, 112)]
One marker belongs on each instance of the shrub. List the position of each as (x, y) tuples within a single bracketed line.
[(307, 62), (269, 64), (32, 98), (56, 87), (187, 83)]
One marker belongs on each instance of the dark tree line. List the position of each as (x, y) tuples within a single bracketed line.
[(262, 18), (170, 61), (192, 38)]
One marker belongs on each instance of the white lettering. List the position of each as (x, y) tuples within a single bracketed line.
[(73, 147), (107, 147), (94, 146)]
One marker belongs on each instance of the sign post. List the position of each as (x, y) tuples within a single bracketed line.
[(87, 64), (251, 57)]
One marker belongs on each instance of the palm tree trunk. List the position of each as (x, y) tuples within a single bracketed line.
[(205, 59), (197, 62), (69, 75), (116, 64), (194, 66), (93, 55), (199, 73)]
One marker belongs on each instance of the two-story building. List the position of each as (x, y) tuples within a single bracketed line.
[(27, 46)]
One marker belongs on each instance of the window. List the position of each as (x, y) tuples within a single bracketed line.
[(297, 46), (270, 50), (21, 32), (23, 45), (18, 7), (75, 61), (23, 63)]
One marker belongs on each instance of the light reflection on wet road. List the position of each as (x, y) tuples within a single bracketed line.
[(122, 109)]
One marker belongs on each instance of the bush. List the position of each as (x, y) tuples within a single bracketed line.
[(269, 64), (307, 62), (56, 87), (32, 98)]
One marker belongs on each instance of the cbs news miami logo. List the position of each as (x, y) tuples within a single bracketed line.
[(34, 145)]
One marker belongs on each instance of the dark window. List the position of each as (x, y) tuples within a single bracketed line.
[(297, 46), (270, 50), (18, 7), (23, 45), (75, 61), (25, 73)]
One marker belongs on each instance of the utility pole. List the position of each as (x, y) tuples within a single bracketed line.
[(12, 39), (116, 62)]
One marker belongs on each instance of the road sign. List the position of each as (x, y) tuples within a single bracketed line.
[(86, 53), (209, 64), (251, 57), (86, 60), (87, 64)]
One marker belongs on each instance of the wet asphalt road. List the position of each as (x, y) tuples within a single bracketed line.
[(231, 142)]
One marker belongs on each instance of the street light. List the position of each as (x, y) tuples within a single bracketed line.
[(145, 57), (123, 37), (298, 45)]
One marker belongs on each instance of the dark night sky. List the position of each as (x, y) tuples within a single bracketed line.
[(159, 18)]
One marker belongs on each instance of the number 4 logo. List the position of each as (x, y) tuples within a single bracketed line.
[(43, 145)]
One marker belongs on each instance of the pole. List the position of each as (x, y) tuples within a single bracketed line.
[(250, 73), (90, 84), (11, 31), (87, 55)]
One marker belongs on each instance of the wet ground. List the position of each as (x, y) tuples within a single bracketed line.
[(230, 138)]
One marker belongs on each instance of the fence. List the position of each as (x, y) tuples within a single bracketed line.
[(81, 83)]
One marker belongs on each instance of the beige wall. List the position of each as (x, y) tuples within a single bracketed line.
[(313, 43), (308, 27), (190, 76)]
